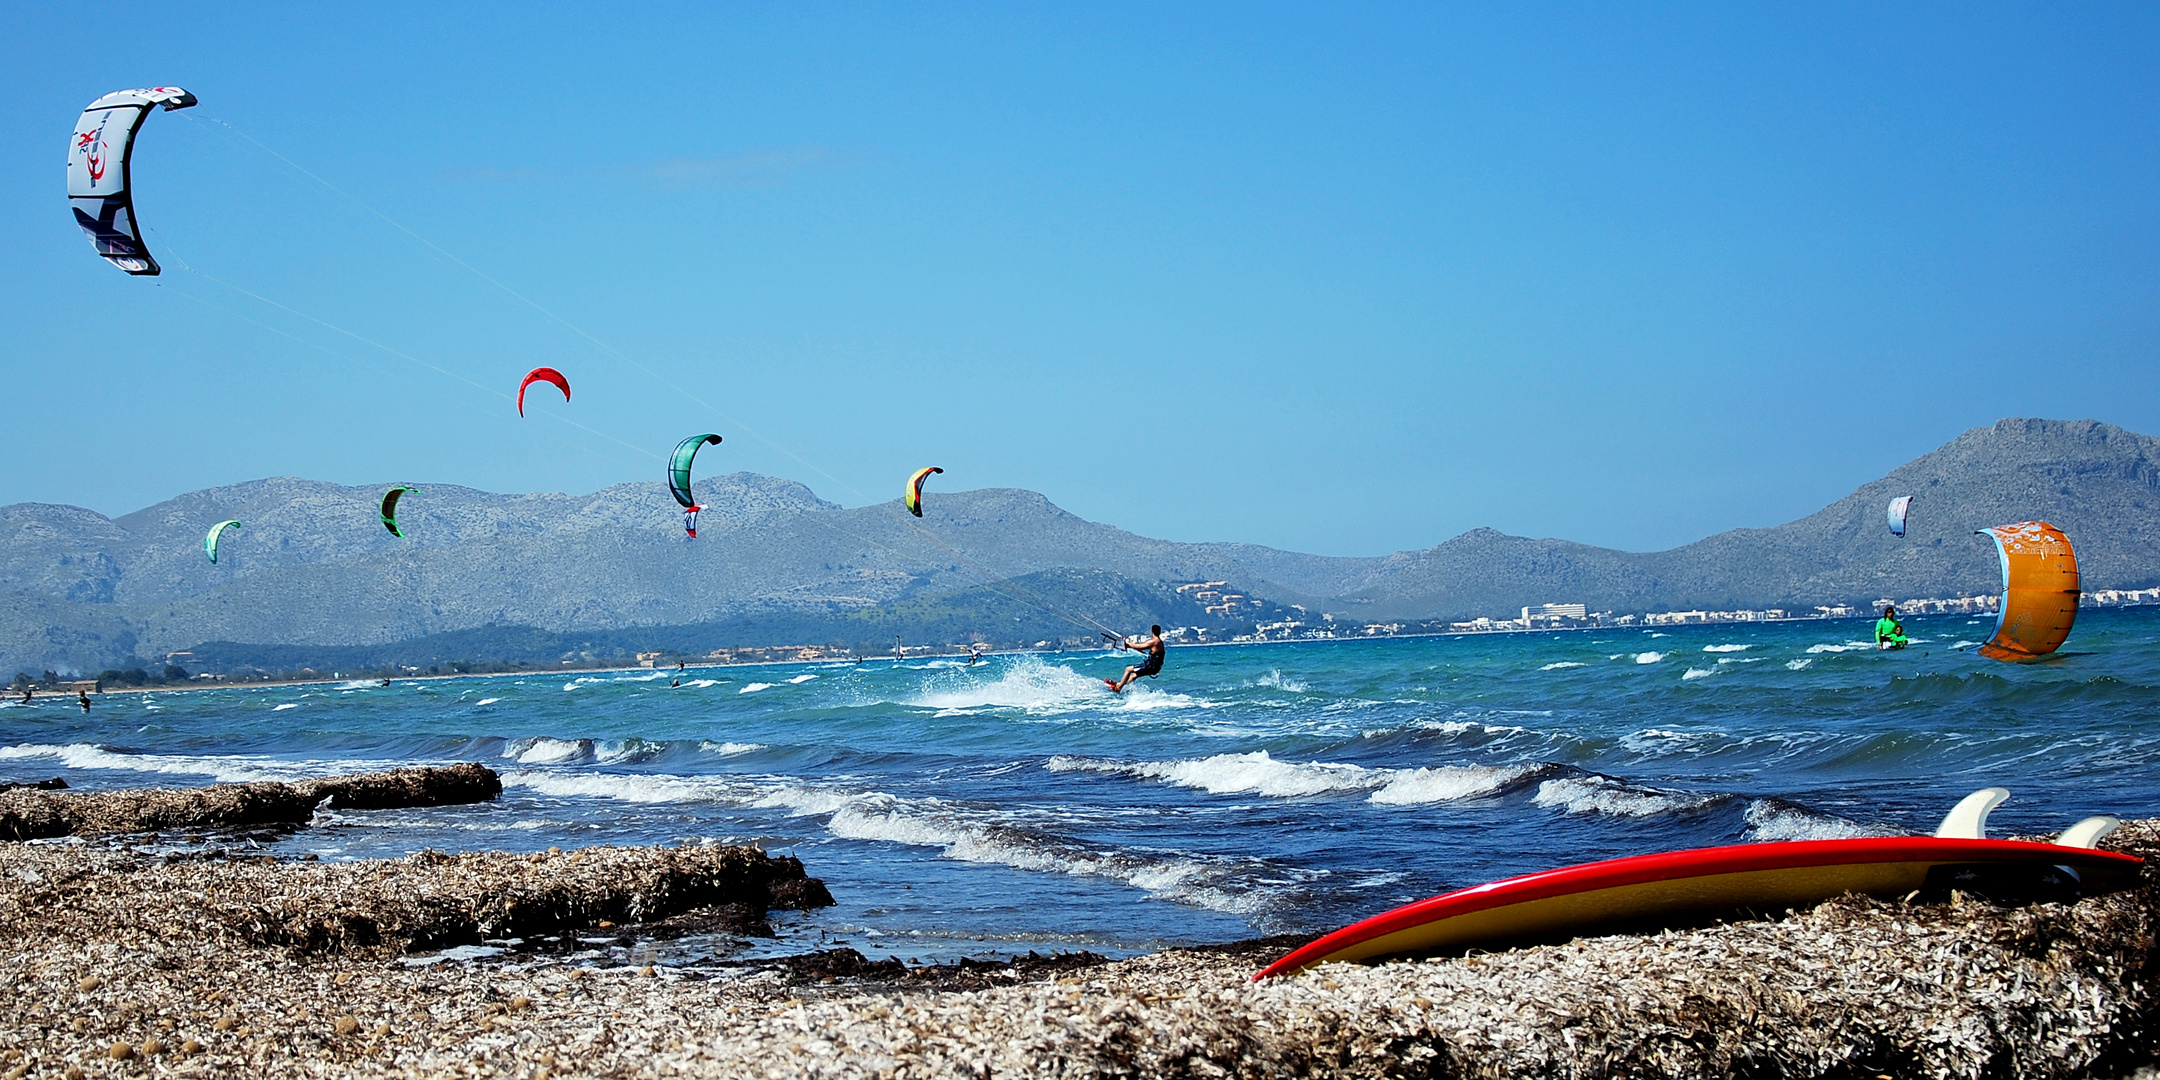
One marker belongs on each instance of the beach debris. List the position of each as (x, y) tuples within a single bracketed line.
[(1854, 987), (35, 814)]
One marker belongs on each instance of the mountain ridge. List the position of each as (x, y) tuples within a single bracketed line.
[(311, 565)]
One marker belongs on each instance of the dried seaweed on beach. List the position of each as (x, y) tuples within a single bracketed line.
[(108, 952), (36, 813)]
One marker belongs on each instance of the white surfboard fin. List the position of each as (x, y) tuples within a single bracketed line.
[(2089, 832), (1968, 819)]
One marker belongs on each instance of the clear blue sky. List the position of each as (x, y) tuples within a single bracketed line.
[(1332, 278)]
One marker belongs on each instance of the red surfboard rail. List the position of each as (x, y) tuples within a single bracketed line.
[(1672, 883)]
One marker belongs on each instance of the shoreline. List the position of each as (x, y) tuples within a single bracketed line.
[(531, 965)]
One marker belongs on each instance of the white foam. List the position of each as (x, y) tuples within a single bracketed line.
[(802, 678), (1964, 644), (1279, 681), (1846, 647), (729, 748), (230, 768), (1445, 783), (1659, 635), (629, 788), (755, 687), (702, 683), (1202, 881), (1773, 821), (1795, 665), (486, 701), (1601, 795), (287, 705), (1698, 673), (1727, 648), (1258, 773), (546, 751), (1562, 664), (1041, 688), (1649, 657), (1742, 659)]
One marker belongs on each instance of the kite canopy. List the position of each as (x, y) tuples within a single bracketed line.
[(678, 470), (102, 195), (914, 489), (1898, 507), (546, 375), (2040, 591), (389, 508), (210, 539)]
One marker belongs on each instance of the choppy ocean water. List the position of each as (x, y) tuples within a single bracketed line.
[(1017, 805)]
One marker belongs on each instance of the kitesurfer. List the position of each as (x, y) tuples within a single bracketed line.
[(1889, 633), (1150, 665)]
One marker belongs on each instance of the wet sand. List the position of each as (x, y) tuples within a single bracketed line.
[(120, 964)]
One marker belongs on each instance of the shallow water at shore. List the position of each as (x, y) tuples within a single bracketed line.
[(1017, 805)]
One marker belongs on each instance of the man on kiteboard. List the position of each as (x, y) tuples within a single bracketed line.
[(1889, 632), (1149, 666)]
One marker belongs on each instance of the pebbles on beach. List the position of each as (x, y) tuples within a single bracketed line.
[(105, 950)]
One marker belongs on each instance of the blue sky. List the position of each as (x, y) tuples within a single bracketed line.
[(1344, 279)]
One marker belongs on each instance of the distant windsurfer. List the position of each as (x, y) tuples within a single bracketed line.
[(1889, 632), (1149, 666)]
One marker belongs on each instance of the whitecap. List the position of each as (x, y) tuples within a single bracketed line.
[(729, 748), (547, 751), (287, 705), (755, 687), (802, 678), (1604, 795), (1778, 820), (1561, 664), (1698, 673), (1649, 657), (1846, 647), (486, 701), (1445, 783), (1727, 648), (633, 788), (1795, 665), (1742, 659), (1279, 681)]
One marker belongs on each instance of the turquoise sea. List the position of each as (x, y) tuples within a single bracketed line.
[(1016, 804)]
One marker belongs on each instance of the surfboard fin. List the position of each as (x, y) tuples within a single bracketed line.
[(2089, 832), (1968, 819)]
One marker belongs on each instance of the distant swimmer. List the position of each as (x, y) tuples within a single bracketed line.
[(84, 697), (1153, 646), (1889, 632)]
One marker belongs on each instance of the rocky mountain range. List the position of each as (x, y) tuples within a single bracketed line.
[(312, 567)]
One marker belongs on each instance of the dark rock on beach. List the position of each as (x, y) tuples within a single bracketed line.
[(469, 782), (38, 813), (54, 784)]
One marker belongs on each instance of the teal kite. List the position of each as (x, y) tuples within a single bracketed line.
[(678, 478), (210, 539)]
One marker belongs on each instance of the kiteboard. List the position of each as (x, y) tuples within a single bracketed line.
[(1680, 887)]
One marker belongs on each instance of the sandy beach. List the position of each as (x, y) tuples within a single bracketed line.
[(121, 963)]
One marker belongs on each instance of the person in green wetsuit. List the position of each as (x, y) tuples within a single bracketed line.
[(1889, 632)]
